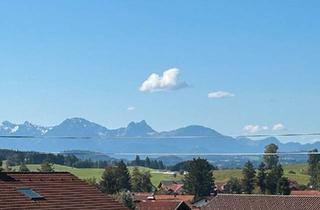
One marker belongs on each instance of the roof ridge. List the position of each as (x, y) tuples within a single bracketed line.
[(264, 195), (34, 172)]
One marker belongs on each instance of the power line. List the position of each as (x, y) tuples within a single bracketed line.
[(156, 137), (282, 135), (212, 154)]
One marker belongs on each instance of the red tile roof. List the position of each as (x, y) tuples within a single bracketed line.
[(174, 186), (263, 202), (163, 205), (61, 190), (185, 198), (144, 196), (306, 193)]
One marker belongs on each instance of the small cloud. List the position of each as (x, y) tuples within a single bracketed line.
[(131, 108), (220, 94), (255, 128), (259, 128), (278, 127), (168, 81)]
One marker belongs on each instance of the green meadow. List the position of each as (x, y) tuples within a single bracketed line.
[(296, 172), (86, 173)]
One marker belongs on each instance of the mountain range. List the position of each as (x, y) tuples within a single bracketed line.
[(137, 137), (79, 127)]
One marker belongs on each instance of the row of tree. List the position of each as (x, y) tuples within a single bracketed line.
[(117, 179), (147, 162), (268, 178), (14, 158), (44, 167), (185, 166)]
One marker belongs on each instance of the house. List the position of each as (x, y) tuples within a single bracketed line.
[(145, 201), (262, 202), (175, 187), (57, 190)]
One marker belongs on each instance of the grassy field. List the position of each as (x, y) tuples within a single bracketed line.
[(85, 173), (296, 172)]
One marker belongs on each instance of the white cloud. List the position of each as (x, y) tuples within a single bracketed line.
[(168, 81), (131, 108), (220, 94), (259, 128), (278, 127), (255, 128)]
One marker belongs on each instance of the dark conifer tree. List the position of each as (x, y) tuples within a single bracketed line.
[(233, 186), (199, 181), (248, 180), (46, 167), (23, 168), (314, 169), (261, 178)]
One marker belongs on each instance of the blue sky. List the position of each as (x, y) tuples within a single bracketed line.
[(61, 59)]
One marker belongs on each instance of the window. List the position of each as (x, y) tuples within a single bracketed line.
[(28, 192)]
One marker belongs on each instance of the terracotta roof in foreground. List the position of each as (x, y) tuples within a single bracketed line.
[(306, 193), (58, 190), (263, 202)]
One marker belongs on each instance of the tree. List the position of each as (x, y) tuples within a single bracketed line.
[(46, 167), (70, 160), (314, 169), (284, 186), (273, 179), (261, 178), (270, 158), (108, 183), (6, 167), (126, 199), (147, 162), (199, 181), (23, 168), (137, 161), (270, 175), (115, 179), (232, 186), (123, 176), (136, 180), (141, 181), (248, 177), (146, 183), (92, 181), (161, 165)]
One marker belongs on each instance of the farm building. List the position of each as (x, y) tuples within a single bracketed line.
[(57, 190), (171, 186), (147, 200)]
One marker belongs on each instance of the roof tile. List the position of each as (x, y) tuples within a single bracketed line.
[(61, 190)]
